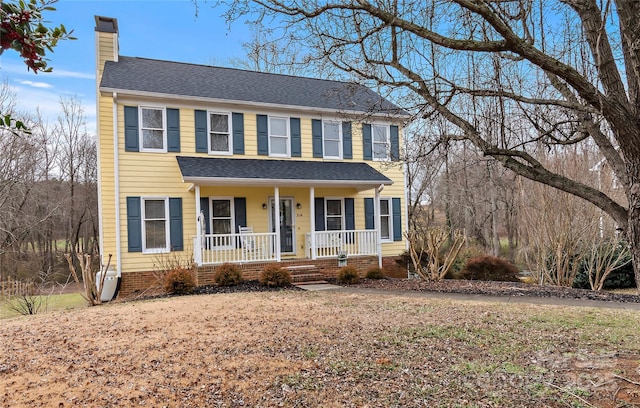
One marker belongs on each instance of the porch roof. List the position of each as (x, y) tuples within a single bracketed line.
[(268, 172)]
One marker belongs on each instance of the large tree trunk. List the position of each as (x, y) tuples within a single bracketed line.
[(633, 223)]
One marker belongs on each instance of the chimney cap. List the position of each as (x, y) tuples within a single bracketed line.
[(106, 24)]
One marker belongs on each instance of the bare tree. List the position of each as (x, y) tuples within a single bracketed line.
[(575, 78)]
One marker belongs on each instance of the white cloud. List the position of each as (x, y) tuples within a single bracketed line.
[(21, 69), (37, 84)]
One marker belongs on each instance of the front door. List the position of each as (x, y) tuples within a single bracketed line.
[(287, 224)]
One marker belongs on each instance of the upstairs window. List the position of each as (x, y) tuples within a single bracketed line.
[(153, 134), (332, 139), (380, 142), (219, 133), (278, 136)]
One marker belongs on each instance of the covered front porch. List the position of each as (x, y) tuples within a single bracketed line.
[(318, 204)]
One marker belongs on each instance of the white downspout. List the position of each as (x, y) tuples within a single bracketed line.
[(116, 176), (312, 211), (276, 217), (376, 223)]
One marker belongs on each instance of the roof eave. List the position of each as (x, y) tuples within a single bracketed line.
[(263, 182), (131, 93)]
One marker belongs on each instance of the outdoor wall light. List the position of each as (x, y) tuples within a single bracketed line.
[(264, 206), (299, 206)]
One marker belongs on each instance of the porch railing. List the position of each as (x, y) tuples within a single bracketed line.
[(235, 248), (352, 243)]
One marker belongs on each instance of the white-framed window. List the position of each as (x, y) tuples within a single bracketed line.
[(222, 221), (155, 225), (380, 141), (334, 214), (279, 136), (386, 220), (219, 131), (332, 139), (153, 133)]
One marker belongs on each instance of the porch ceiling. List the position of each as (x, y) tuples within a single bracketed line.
[(268, 172)]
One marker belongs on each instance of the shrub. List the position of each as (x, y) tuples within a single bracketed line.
[(228, 275), (348, 275), (275, 276), (490, 268), (179, 281), (620, 278), (466, 253), (375, 273)]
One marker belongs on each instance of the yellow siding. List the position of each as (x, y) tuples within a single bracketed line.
[(157, 174)]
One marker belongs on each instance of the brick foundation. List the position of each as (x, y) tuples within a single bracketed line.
[(135, 284)]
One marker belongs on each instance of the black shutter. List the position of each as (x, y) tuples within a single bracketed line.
[(369, 214), (240, 209), (237, 122), (263, 134), (131, 139), (296, 143), (134, 224), (175, 224), (202, 144), (367, 152), (173, 130), (316, 135), (397, 219), (395, 143), (349, 212), (204, 207), (319, 204), (347, 145)]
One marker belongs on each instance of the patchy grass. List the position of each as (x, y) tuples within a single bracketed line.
[(321, 349), (53, 303)]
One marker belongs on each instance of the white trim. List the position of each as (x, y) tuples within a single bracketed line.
[(342, 213), (248, 182), (232, 213), (164, 129), (272, 201), (116, 181), (312, 214), (340, 140), (229, 150), (387, 144), (389, 201), (252, 105), (167, 233), (287, 121)]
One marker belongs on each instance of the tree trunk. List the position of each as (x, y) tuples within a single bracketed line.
[(633, 223)]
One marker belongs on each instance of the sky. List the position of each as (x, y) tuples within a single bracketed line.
[(159, 29)]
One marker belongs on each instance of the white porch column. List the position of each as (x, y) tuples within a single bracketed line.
[(276, 217), (376, 224), (197, 251), (312, 214)]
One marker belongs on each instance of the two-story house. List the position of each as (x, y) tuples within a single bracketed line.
[(211, 165)]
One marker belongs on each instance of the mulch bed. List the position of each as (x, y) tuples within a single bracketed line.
[(495, 289)]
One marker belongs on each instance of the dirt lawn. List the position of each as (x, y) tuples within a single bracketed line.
[(306, 349)]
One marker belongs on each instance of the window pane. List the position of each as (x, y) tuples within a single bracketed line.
[(222, 226), (334, 207), (379, 151), (155, 234), (331, 148), (334, 223), (384, 207), (384, 227), (152, 139), (221, 208), (331, 131), (152, 118), (379, 133), (278, 145), (219, 123), (219, 142), (153, 209), (278, 126)]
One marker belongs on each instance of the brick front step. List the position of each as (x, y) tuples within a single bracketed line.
[(301, 274)]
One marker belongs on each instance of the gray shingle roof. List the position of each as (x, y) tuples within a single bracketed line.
[(287, 172), (201, 81)]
